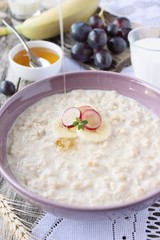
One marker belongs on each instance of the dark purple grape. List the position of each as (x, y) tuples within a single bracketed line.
[(7, 88), (123, 32), (95, 22), (122, 22), (116, 45), (81, 52), (102, 59), (112, 29), (79, 31), (97, 38)]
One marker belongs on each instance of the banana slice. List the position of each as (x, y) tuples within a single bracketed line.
[(98, 135), (60, 131)]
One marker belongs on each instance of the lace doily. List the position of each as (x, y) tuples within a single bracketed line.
[(144, 225)]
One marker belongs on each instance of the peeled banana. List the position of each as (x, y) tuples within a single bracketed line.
[(63, 132), (46, 25), (96, 136)]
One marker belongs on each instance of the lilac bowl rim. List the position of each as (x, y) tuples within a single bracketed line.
[(31, 196)]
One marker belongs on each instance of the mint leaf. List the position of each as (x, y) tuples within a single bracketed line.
[(75, 123), (80, 124), (84, 122), (78, 120)]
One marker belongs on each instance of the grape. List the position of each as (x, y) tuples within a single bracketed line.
[(7, 88), (122, 22), (112, 29), (102, 59), (97, 43), (116, 45), (123, 32), (95, 21), (79, 31), (81, 52), (97, 38)]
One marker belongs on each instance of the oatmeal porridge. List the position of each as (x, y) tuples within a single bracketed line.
[(116, 162)]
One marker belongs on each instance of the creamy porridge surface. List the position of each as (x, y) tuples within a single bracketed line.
[(121, 168)]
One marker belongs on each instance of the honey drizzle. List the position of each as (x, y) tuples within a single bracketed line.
[(65, 143)]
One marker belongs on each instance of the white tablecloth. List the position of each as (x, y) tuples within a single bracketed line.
[(143, 12)]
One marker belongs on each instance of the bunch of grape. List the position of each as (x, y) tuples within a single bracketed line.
[(97, 41)]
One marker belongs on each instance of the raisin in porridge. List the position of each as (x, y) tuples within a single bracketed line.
[(108, 158)]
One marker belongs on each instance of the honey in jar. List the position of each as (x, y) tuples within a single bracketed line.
[(46, 53)]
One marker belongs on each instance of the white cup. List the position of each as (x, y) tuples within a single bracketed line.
[(35, 74), (23, 9), (145, 53)]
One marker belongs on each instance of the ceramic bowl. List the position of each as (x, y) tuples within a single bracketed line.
[(127, 86), (38, 73)]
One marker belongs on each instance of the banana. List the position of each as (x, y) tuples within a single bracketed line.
[(63, 132), (96, 136), (46, 25)]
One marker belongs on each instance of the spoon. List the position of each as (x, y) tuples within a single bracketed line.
[(34, 60)]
